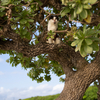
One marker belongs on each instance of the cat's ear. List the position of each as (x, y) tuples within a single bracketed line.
[(51, 17)]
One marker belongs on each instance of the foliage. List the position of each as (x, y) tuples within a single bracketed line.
[(86, 43), (77, 7), (39, 65), (26, 17), (22, 23), (51, 97), (86, 40), (91, 93)]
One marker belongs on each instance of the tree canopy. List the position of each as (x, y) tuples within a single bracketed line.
[(23, 34)]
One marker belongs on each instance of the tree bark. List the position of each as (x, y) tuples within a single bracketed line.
[(79, 81)]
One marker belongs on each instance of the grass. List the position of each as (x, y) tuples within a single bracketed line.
[(50, 97)]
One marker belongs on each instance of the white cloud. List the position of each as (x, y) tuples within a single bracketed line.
[(1, 73), (41, 90), (57, 88)]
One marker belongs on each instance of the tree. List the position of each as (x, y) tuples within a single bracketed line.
[(23, 35)]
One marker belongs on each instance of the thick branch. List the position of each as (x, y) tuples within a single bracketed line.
[(26, 49), (8, 33), (67, 54), (79, 82), (63, 52)]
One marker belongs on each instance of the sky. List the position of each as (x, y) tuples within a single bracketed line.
[(15, 84)]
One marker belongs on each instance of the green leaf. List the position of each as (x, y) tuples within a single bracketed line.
[(79, 46), (7, 60), (48, 37), (73, 5), (80, 18), (23, 21), (47, 71), (84, 97), (75, 42), (13, 26), (36, 41), (52, 37), (89, 12), (2, 14), (30, 20), (80, 34), (5, 2), (87, 6), (2, 9), (28, 25), (84, 28), (85, 1), (60, 73), (95, 46), (88, 49), (98, 27), (75, 36), (73, 14), (17, 18), (95, 39), (47, 77), (88, 41), (24, 32), (92, 1), (40, 79), (17, 2), (11, 59), (82, 52), (79, 9), (83, 14), (2, 52), (65, 11), (90, 32), (39, 2)]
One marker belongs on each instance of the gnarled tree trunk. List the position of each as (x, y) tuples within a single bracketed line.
[(77, 84)]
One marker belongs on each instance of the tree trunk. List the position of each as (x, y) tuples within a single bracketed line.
[(78, 82)]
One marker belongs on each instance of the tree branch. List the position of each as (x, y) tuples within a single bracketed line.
[(49, 14), (62, 31), (4, 7), (26, 49), (10, 34), (65, 52)]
